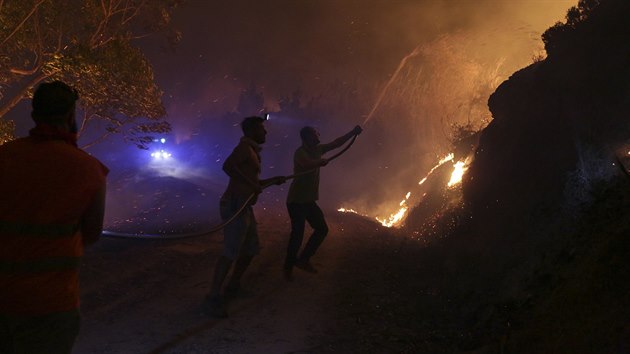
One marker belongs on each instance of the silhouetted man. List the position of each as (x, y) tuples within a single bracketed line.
[(303, 196), (240, 242), (52, 201)]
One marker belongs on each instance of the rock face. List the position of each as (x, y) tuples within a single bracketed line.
[(543, 234), (562, 116)]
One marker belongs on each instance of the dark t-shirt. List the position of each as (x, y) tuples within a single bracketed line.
[(305, 188)]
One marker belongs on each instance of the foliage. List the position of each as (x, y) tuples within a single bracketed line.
[(6, 131), (88, 44), (559, 37), (250, 103), (464, 139), (463, 132)]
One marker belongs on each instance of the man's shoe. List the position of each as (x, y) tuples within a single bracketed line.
[(306, 266), (214, 306)]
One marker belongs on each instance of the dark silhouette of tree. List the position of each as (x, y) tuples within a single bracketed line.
[(89, 45), (250, 102), (339, 100), (582, 21), (291, 105)]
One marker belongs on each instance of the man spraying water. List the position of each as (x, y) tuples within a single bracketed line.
[(303, 196)]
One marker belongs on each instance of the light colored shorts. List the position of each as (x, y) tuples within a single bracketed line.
[(239, 236)]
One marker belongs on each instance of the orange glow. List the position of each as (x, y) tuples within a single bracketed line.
[(459, 68), (458, 172), (395, 218), (344, 210)]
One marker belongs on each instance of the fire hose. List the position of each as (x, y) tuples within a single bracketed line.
[(220, 226)]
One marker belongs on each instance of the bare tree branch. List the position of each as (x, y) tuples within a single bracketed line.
[(21, 94), (84, 122), (25, 72), (97, 32), (60, 37), (88, 116), (104, 7), (23, 22), (135, 12), (97, 140)]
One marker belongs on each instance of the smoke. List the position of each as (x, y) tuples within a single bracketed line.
[(446, 84), (340, 55)]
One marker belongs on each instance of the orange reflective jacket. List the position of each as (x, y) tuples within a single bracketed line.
[(45, 188)]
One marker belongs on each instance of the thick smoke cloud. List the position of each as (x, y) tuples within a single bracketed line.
[(340, 55)]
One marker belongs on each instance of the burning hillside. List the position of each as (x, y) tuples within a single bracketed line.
[(539, 238), (445, 175), (544, 198)]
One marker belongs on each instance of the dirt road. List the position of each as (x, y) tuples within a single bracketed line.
[(144, 296)]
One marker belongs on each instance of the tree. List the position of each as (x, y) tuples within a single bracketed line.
[(88, 44), (560, 36), (291, 105), (250, 101), (6, 131)]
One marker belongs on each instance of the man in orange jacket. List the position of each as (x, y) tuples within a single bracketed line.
[(52, 202)]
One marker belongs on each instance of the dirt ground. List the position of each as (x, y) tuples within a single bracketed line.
[(144, 296)]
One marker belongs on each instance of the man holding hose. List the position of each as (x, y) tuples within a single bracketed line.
[(303, 196), (240, 243)]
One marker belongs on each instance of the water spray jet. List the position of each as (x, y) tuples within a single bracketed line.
[(413, 53)]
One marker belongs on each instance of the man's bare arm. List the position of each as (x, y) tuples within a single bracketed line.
[(341, 140)]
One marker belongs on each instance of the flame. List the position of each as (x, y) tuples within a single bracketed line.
[(458, 172), (344, 210), (444, 160), (459, 168), (393, 219)]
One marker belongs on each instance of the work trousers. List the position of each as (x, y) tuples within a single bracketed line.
[(300, 213)]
